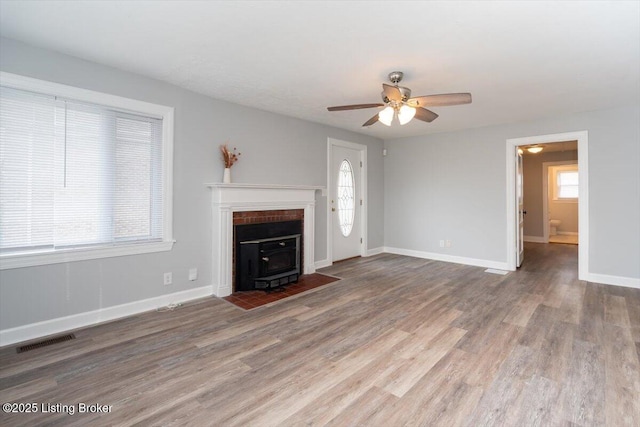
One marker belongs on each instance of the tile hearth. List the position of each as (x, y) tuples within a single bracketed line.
[(248, 300)]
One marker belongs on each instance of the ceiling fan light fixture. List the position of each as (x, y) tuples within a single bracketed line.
[(397, 102), (386, 116), (535, 149), (405, 114)]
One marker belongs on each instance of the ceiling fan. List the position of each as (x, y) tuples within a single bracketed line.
[(398, 103)]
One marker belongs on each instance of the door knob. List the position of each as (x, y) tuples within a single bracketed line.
[(333, 209)]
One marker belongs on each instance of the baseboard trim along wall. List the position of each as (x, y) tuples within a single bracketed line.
[(534, 239), (605, 279), (370, 252), (449, 258), (323, 263), (375, 251), (81, 320)]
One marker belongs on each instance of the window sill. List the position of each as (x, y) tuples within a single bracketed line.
[(565, 200), (8, 262)]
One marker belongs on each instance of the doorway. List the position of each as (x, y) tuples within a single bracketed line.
[(560, 201), (513, 239), (346, 213)]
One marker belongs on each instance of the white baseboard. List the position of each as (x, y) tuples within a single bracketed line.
[(375, 251), (81, 320), (568, 233), (371, 252), (605, 279), (323, 263), (534, 239), (449, 258)]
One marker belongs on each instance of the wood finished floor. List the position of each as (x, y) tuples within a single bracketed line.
[(399, 341)]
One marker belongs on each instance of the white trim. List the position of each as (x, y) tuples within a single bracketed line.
[(163, 112), (371, 252), (375, 251), (265, 186), (629, 282), (167, 174), (81, 254), (323, 263), (42, 86), (448, 258), (535, 239), (81, 320), (568, 233), (331, 142), (583, 204)]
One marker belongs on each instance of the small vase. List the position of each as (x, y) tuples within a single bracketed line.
[(226, 178)]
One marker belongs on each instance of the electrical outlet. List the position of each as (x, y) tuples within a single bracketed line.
[(442, 243), (448, 244), (168, 278), (193, 274)]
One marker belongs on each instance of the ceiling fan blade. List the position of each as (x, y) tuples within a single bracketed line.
[(440, 100), (371, 121), (353, 107), (425, 115), (391, 92)]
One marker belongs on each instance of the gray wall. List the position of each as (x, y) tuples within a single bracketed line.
[(533, 191), (453, 185), (275, 150)]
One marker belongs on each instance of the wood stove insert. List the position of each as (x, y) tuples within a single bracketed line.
[(267, 255)]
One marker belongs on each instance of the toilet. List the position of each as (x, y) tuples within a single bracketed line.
[(553, 226)]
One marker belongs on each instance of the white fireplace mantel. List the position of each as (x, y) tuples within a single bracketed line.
[(229, 198)]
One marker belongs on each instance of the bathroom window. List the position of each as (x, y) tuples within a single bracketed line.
[(566, 183)]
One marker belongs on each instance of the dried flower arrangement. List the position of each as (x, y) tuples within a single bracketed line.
[(229, 156)]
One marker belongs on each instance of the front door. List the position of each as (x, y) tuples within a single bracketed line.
[(345, 202)]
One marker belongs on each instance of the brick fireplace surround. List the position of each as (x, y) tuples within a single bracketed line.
[(260, 217), (249, 204)]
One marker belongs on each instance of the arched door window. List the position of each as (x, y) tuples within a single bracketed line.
[(346, 199)]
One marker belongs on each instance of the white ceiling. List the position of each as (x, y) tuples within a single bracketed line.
[(520, 60)]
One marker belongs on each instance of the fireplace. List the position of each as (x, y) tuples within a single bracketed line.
[(267, 255), (229, 201)]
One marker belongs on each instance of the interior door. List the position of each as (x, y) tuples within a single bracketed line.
[(521, 211), (345, 202)]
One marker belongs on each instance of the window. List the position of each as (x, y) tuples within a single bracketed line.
[(567, 184), (82, 175), (565, 179), (346, 198)]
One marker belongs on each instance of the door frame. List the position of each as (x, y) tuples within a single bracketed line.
[(520, 212), (583, 194), (331, 142), (545, 191)]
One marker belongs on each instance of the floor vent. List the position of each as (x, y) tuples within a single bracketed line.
[(45, 343)]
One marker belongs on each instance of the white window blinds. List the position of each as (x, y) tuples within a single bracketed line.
[(567, 184), (74, 174)]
